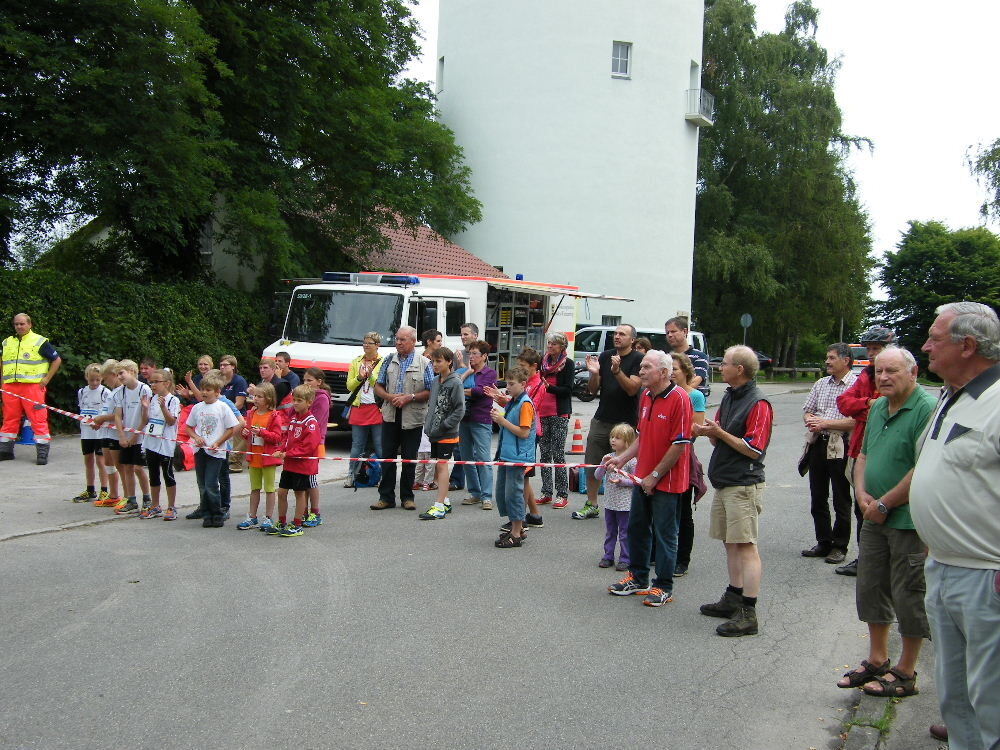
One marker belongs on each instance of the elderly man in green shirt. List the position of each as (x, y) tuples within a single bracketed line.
[(890, 582)]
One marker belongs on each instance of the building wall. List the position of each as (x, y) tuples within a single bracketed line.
[(585, 179)]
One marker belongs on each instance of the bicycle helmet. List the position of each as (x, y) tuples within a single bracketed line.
[(877, 335)]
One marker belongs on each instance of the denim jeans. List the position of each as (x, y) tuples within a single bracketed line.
[(963, 606), (207, 470), (653, 521), (225, 488), (510, 492), (359, 442), (477, 438)]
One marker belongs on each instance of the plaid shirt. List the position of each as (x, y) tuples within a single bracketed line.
[(822, 399)]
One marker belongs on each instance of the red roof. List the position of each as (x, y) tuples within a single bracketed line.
[(428, 252)]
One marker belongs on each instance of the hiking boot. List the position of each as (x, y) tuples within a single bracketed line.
[(743, 622), (41, 454), (725, 607)]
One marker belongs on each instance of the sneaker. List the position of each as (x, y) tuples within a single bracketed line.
[(155, 512), (170, 514), (533, 521), (121, 503), (225, 514), (249, 523), (195, 514), (725, 607), (605, 563), (680, 571), (447, 505), (85, 497), (438, 510), (487, 505), (505, 527), (266, 525), (130, 508), (627, 585), (587, 511), (290, 529), (146, 505), (560, 502), (471, 501), (312, 520), (106, 501), (743, 622), (657, 597), (545, 500), (621, 567)]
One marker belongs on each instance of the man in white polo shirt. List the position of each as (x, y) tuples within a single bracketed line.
[(955, 505)]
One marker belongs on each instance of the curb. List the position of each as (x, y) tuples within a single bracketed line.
[(108, 519)]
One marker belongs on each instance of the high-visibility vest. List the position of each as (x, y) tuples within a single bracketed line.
[(22, 359)]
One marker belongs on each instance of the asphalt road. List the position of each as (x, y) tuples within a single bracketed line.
[(377, 630)]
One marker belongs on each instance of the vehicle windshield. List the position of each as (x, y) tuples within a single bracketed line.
[(859, 352), (588, 342), (342, 317)]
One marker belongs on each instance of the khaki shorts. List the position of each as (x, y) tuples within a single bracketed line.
[(734, 514), (598, 441), (890, 585)]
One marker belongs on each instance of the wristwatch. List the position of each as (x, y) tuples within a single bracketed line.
[(655, 474), (882, 508)]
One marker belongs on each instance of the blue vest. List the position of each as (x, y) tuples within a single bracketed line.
[(511, 447)]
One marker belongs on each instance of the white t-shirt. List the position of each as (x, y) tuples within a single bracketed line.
[(108, 430), (159, 436), (91, 403), (130, 402), (210, 421)]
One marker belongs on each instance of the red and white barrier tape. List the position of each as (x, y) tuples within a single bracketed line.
[(86, 420)]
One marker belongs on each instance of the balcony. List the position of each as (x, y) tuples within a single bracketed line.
[(700, 108)]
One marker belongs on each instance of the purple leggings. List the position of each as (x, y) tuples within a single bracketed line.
[(616, 528)]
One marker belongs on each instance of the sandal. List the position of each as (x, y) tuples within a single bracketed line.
[(507, 542), (871, 673), (901, 687)]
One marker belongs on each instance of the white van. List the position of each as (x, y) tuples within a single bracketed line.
[(596, 339)]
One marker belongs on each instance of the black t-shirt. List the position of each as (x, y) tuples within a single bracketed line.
[(616, 405)]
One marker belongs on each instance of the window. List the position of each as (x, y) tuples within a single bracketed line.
[(335, 317), (621, 59), (454, 316), (423, 316)]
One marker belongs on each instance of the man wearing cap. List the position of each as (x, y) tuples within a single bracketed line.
[(29, 363), (855, 403)]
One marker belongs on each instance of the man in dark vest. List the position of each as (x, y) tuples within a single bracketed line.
[(740, 433)]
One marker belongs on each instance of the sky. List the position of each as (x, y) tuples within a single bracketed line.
[(916, 78)]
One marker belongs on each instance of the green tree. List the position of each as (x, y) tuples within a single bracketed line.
[(932, 266), (281, 131), (986, 164), (779, 231)]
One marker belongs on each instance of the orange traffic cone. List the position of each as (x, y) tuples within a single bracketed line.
[(577, 449)]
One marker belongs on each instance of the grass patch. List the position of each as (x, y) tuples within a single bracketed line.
[(883, 723)]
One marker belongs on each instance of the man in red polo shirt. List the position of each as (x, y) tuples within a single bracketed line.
[(663, 466)]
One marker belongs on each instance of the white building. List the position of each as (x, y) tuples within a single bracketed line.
[(579, 119)]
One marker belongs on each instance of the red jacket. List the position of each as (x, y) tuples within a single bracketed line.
[(271, 433), (854, 403), (302, 440)]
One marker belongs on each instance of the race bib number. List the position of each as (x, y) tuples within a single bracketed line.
[(155, 427), (257, 440), (89, 412)]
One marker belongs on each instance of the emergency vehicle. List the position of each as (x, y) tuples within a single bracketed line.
[(328, 317)]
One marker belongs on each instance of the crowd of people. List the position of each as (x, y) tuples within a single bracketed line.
[(924, 471)]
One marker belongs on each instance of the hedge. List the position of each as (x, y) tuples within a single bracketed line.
[(90, 319)]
